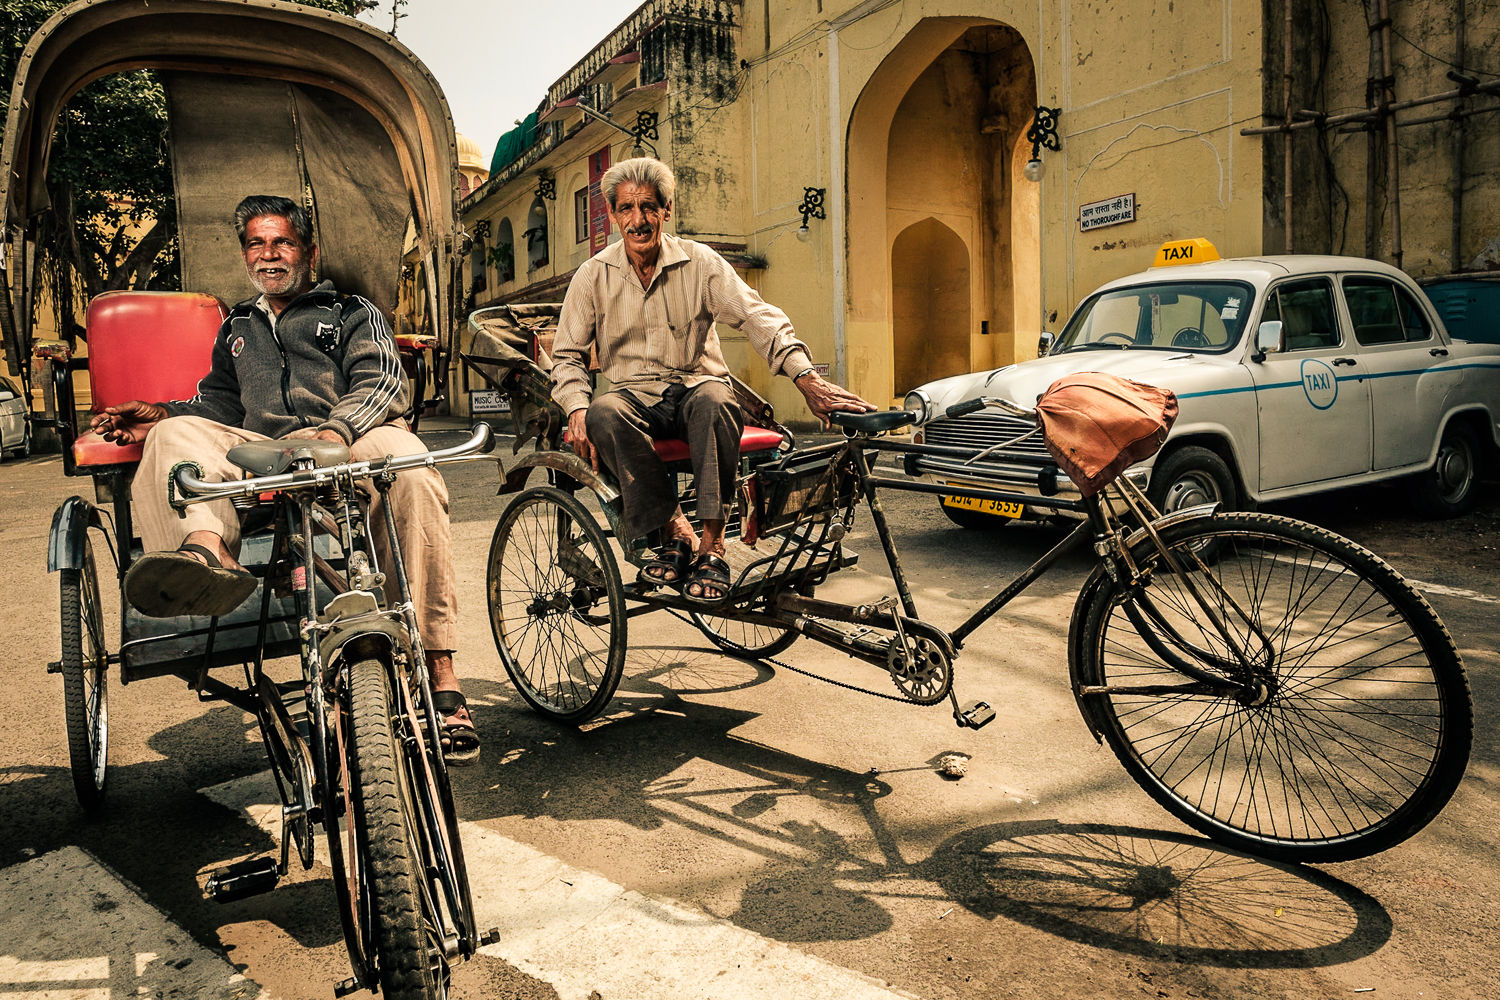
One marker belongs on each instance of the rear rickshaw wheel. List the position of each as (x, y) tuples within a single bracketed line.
[(557, 606), (85, 663), (750, 640)]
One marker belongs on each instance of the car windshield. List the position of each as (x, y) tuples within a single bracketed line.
[(1199, 317)]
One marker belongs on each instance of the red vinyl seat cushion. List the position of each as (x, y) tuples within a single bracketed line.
[(752, 439), (145, 345)]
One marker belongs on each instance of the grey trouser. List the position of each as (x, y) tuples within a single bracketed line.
[(419, 501), (707, 417)]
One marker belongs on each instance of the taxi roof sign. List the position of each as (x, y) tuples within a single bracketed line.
[(1194, 251)]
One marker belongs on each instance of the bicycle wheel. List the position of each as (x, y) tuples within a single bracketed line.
[(408, 941), (1359, 729), (85, 681), (557, 607), (750, 640)]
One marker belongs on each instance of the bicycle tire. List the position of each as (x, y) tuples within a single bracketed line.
[(750, 640), (85, 673), (557, 606), (405, 955), (1364, 728)]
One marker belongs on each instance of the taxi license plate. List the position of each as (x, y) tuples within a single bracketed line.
[(999, 508)]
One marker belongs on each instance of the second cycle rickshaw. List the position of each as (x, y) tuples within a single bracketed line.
[(1275, 686), (346, 120)]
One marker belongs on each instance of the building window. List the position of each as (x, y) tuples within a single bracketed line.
[(580, 215), (503, 256), (476, 267), (536, 235)]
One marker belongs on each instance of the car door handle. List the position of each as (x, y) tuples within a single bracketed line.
[(1439, 352), (1344, 361)]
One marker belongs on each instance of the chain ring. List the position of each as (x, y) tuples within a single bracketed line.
[(922, 672)]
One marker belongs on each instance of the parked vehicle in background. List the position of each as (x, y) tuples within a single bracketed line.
[(15, 428), (1294, 375)]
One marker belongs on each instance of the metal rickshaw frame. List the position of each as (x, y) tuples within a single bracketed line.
[(385, 100)]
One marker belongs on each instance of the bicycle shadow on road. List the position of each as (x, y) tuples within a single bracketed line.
[(1155, 894), (832, 869)]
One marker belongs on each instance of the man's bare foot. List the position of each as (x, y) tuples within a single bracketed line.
[(215, 544)]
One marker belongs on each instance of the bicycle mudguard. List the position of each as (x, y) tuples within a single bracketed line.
[(565, 462), (360, 639), (67, 544), (1170, 520)]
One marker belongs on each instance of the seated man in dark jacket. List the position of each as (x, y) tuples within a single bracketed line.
[(299, 361)]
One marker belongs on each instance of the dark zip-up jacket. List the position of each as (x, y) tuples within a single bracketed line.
[(330, 362)]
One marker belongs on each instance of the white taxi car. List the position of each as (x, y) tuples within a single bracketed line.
[(15, 430), (1293, 374)]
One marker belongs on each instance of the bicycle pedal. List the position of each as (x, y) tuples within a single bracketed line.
[(975, 715), (348, 986), (491, 936), (242, 879)]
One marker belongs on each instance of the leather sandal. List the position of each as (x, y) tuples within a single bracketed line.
[(673, 558), (709, 570), (460, 740), (168, 584)]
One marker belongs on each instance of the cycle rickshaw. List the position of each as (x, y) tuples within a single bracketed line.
[(350, 121), (1273, 685)]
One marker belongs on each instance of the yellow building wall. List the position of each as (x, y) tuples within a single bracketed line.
[(1152, 94)]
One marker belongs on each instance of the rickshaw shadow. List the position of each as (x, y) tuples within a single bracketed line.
[(842, 875)]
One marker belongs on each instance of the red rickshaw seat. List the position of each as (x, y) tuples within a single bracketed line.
[(153, 346), (752, 439)]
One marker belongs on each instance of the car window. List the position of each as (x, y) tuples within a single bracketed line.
[(1173, 316), (1376, 313), (1414, 322), (1305, 309)]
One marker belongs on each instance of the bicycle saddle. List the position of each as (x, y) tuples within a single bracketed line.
[(267, 458), (873, 423)]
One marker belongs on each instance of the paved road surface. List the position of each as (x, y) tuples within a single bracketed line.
[(720, 833)]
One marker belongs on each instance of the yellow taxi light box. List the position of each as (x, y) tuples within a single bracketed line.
[(1194, 251)]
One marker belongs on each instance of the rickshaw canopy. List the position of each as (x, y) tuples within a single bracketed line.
[(263, 97)]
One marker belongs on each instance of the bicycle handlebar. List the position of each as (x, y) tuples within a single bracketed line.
[(191, 489), (980, 402)]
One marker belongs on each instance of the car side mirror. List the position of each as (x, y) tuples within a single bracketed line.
[(1044, 343), (1269, 338)]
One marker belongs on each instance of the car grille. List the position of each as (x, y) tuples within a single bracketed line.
[(984, 430)]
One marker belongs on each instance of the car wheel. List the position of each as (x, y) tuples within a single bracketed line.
[(1190, 476), (25, 450), (1451, 486), (973, 519)]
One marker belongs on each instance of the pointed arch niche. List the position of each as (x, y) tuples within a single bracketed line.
[(943, 242), (929, 304)]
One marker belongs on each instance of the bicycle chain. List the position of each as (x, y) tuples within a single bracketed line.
[(808, 673)]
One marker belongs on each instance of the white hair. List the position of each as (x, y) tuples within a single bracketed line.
[(640, 170)]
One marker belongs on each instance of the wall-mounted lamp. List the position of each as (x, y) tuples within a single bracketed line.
[(546, 186), (811, 208), (640, 135), (1043, 132)]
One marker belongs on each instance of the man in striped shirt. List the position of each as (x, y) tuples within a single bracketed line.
[(648, 305), (301, 360)]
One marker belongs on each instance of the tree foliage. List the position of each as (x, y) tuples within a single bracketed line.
[(113, 221)]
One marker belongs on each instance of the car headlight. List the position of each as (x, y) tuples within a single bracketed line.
[(918, 402)]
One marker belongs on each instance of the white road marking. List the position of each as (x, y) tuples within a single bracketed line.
[(71, 930), (582, 933), (1438, 588)]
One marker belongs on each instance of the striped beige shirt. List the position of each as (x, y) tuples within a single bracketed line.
[(649, 338)]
